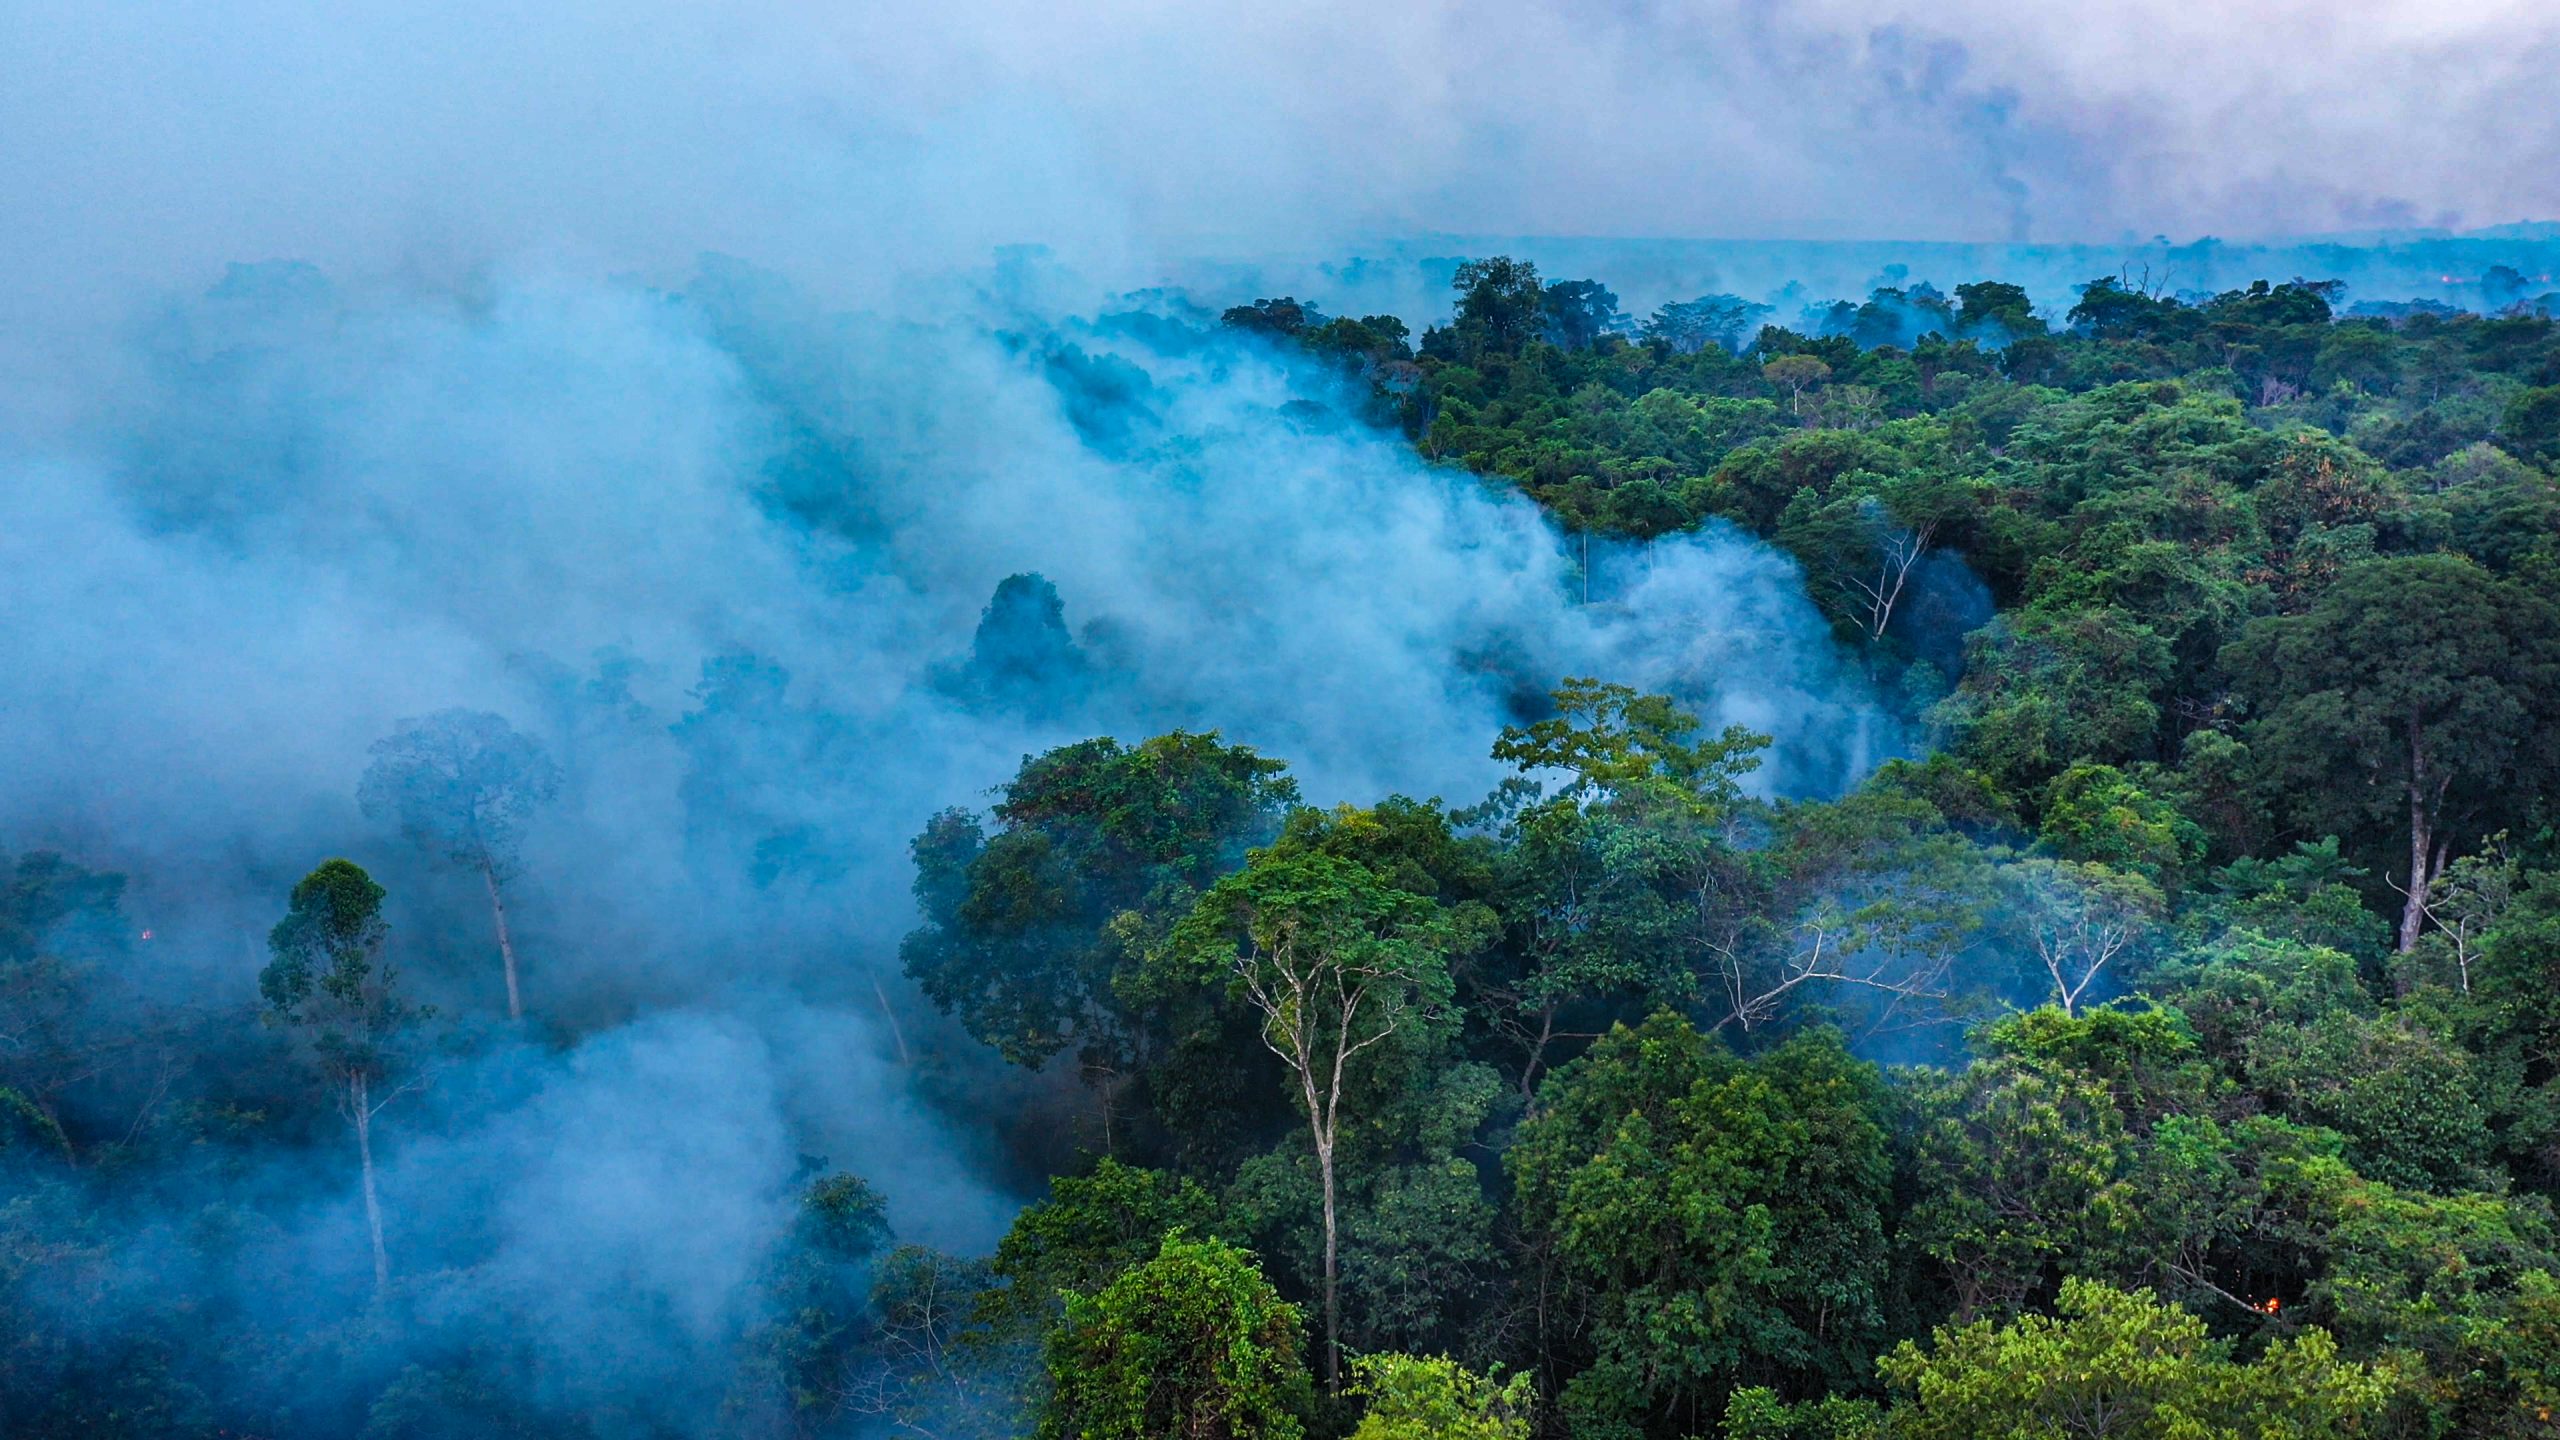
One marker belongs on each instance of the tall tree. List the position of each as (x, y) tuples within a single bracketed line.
[(463, 782), (1500, 304), (1579, 312), (1336, 960), (329, 980), (2423, 686)]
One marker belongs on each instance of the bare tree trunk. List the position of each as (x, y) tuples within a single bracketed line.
[(1332, 1272), (1321, 1130), (896, 1031), (1536, 1062), (2413, 911), (360, 1109), (506, 944)]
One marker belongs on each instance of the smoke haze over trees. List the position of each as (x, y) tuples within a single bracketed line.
[(753, 721)]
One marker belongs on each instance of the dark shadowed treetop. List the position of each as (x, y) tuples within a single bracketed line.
[(1017, 936), (1022, 657), (462, 781), (2420, 692)]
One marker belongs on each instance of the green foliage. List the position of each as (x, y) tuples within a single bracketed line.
[(1191, 1345), (796, 1364), (2405, 1098), (1331, 954), (1435, 1398), (1035, 937), (2532, 427), (2042, 1158), (1757, 1413), (1336, 959), (2043, 690), (2414, 703), (1018, 938), (328, 977), (1633, 752), (2097, 813), (1712, 1222), (1089, 1231), (2119, 1364)]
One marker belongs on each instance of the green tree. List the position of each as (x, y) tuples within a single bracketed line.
[(1335, 959), (1689, 326), (2046, 690), (1436, 1398), (1593, 876), (798, 1362), (1633, 752), (2532, 424), (2044, 1158), (329, 981), (2113, 1365), (1192, 1345), (1500, 303), (1590, 915), (1713, 1222), (2423, 685), (2406, 1099), (1032, 936), (1992, 304), (1796, 374), (1090, 1230), (2098, 813)]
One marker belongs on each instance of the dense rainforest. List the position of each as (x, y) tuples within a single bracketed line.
[(2166, 1044)]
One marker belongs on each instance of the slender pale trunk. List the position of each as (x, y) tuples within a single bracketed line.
[(1532, 1067), (1320, 1128), (360, 1109), (1332, 1272), (887, 1012), (506, 944), (2413, 911)]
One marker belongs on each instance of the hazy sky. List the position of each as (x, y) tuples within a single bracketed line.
[(150, 141)]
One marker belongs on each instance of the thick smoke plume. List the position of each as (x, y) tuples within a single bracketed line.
[(730, 555)]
